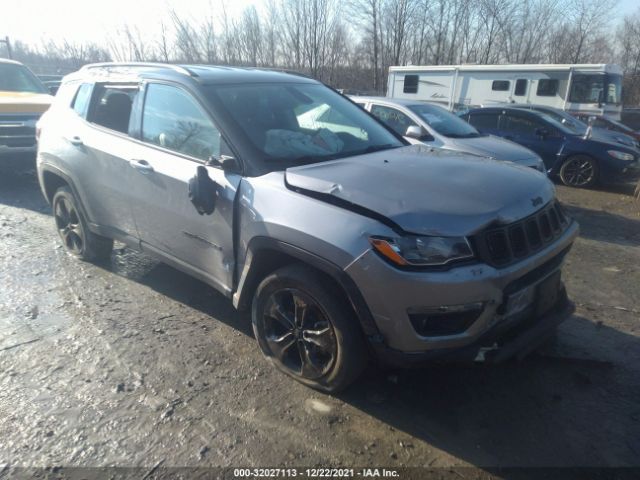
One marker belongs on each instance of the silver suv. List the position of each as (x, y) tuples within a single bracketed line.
[(344, 241)]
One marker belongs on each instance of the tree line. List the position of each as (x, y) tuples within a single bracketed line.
[(351, 43)]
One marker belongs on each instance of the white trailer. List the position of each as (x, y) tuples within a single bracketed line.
[(590, 89)]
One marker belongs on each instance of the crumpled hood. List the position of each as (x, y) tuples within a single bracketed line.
[(24, 102), (495, 147), (427, 191)]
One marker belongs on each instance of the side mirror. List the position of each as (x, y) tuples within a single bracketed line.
[(225, 162), (418, 133), (203, 191)]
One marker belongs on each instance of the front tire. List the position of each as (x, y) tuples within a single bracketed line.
[(72, 227), (305, 327), (579, 171)]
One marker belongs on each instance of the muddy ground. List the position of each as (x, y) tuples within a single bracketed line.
[(136, 364)]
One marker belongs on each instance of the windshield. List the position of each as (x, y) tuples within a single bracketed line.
[(571, 123), (620, 125), (444, 122), (17, 78), (556, 123), (297, 124), (596, 88)]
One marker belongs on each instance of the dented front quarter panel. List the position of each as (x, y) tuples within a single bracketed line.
[(268, 209)]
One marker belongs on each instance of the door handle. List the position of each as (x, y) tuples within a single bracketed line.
[(141, 165), (75, 140)]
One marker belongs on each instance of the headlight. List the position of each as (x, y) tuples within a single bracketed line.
[(422, 251), (620, 155)]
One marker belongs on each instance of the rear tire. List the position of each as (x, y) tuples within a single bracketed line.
[(579, 171), (74, 232), (306, 328)]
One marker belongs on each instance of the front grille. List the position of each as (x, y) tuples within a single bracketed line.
[(505, 245), (18, 129)]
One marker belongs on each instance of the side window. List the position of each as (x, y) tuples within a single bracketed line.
[(521, 87), (111, 106), (547, 87), (392, 118), (484, 121), (83, 97), (174, 120), (410, 84), (521, 124), (500, 85)]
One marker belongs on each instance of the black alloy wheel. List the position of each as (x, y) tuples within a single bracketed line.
[(299, 333), (579, 171), (69, 225)]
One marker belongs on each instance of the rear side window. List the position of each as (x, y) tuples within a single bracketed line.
[(410, 84), (82, 99), (484, 121), (500, 85), (174, 120), (521, 87), (547, 87), (392, 118), (111, 106), (521, 124)]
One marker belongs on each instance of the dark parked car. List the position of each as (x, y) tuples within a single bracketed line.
[(631, 118), (610, 124), (580, 125), (579, 160)]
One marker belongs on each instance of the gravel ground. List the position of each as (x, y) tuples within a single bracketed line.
[(134, 364)]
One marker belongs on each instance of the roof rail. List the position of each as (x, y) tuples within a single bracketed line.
[(282, 70), (170, 66)]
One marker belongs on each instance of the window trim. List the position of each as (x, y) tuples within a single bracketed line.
[(506, 83), (140, 115)]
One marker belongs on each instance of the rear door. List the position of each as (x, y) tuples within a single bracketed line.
[(177, 135), (104, 140)]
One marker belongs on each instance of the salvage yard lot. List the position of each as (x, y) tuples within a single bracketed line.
[(136, 364)]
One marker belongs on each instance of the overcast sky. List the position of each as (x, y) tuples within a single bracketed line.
[(79, 20)]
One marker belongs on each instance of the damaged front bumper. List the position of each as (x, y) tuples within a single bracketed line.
[(502, 342)]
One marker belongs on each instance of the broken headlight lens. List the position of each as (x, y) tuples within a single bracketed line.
[(422, 251)]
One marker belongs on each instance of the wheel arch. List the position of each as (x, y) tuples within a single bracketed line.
[(51, 179), (265, 255)]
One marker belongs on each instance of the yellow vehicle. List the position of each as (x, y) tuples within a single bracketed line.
[(23, 99)]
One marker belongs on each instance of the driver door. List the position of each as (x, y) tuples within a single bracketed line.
[(178, 135), (533, 133)]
